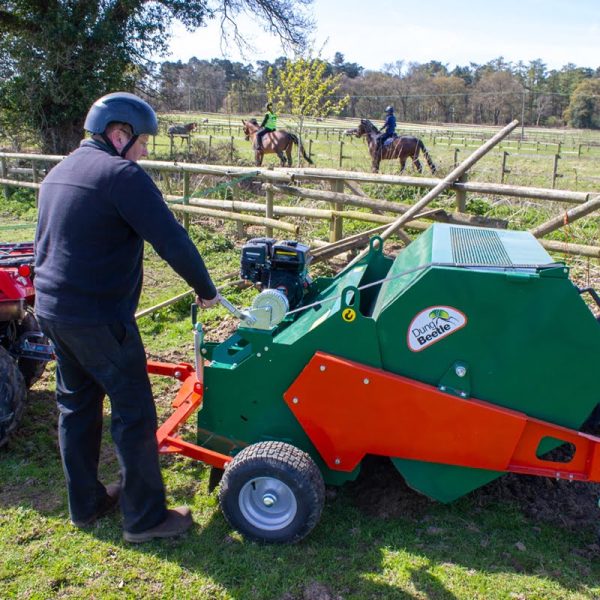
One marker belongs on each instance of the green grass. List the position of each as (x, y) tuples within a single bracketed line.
[(469, 549), (462, 550)]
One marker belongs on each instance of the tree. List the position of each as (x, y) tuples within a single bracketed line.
[(57, 57), (304, 89), (584, 109), (498, 98), (351, 70)]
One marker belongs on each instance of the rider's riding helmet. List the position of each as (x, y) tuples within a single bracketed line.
[(389, 109), (121, 107), (269, 106)]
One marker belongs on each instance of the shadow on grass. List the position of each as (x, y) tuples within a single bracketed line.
[(362, 548), (353, 555)]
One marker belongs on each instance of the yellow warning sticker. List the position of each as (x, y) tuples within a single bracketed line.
[(349, 314)]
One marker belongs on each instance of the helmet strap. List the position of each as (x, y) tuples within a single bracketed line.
[(128, 145), (108, 142), (126, 148)]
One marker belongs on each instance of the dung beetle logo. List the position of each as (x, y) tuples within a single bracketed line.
[(439, 314), (433, 324)]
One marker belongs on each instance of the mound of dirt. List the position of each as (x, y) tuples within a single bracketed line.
[(380, 491)]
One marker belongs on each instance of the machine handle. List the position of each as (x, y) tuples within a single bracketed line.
[(236, 312)]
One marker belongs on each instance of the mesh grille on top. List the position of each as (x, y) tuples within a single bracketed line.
[(478, 247)]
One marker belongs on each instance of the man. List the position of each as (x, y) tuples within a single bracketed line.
[(389, 127), (269, 123), (96, 208)]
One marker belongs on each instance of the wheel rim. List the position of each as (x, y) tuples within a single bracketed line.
[(267, 503)]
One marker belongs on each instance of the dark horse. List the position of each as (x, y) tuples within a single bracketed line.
[(402, 147), (182, 130), (274, 142)]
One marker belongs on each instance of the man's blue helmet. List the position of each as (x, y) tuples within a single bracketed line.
[(122, 107), (389, 109)]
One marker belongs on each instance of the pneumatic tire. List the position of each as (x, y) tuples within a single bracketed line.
[(272, 492), (13, 395)]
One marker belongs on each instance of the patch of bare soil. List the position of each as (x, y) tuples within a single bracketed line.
[(380, 491), (226, 328), (313, 591)]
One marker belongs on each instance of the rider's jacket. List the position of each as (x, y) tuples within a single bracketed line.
[(390, 125), (270, 121)]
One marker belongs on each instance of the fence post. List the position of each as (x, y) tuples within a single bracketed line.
[(555, 174), (239, 225), (231, 149), (310, 143), (35, 179), (504, 171), (4, 172), (456, 151), (336, 225), (341, 160), (269, 210), (186, 200), (209, 144), (461, 195)]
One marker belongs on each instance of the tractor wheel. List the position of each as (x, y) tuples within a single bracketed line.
[(272, 492), (31, 368), (13, 395)]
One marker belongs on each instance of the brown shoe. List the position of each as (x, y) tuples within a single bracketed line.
[(178, 521), (113, 491)]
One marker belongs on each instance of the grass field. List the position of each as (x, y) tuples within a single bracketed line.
[(529, 161), (517, 538)]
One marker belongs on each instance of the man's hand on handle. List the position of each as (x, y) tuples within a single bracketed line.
[(204, 303)]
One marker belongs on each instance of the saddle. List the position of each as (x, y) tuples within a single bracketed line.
[(390, 140)]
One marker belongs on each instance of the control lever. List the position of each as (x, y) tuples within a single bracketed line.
[(198, 339)]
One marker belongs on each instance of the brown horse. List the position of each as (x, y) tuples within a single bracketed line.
[(402, 147), (274, 142)]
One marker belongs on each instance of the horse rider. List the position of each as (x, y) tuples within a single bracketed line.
[(389, 127), (269, 123)]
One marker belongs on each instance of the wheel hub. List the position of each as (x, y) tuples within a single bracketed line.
[(269, 499), (267, 503)]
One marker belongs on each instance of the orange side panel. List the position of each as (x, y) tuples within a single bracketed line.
[(348, 410)]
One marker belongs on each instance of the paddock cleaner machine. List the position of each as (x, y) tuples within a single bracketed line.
[(470, 355)]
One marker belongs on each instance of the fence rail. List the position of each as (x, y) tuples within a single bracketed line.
[(288, 182)]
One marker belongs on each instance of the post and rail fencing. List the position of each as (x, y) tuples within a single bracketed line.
[(299, 183)]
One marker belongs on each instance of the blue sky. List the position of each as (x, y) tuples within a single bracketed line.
[(453, 32)]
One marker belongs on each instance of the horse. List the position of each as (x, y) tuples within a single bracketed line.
[(182, 130), (401, 147), (274, 142)]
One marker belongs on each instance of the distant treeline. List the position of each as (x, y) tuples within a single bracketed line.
[(492, 93)]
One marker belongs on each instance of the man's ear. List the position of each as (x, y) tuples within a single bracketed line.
[(117, 137)]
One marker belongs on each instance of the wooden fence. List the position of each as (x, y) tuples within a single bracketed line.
[(560, 159), (300, 183)]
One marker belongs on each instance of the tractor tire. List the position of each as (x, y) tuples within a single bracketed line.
[(13, 395), (31, 368), (272, 492)]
